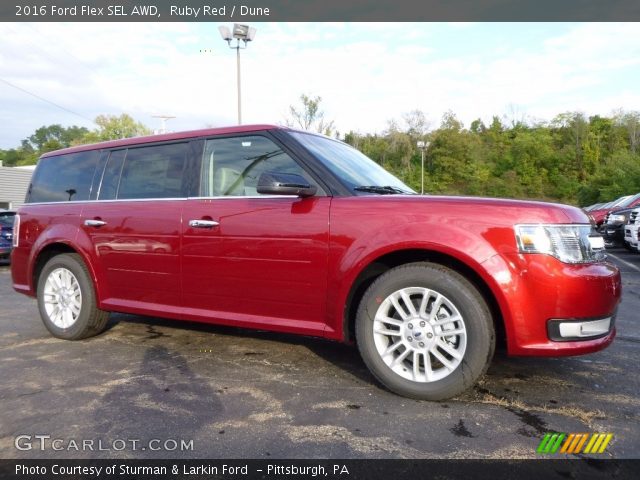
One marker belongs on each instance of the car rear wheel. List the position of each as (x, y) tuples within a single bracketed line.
[(425, 331), (67, 300)]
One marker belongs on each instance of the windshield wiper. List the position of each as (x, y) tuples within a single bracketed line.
[(382, 189)]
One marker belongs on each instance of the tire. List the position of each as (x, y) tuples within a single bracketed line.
[(67, 299), (459, 308), (629, 247)]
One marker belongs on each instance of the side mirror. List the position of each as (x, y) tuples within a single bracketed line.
[(273, 183)]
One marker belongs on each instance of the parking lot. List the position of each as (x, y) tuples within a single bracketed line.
[(245, 394)]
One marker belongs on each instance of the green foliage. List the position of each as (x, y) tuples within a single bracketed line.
[(572, 159), (54, 137), (112, 127)]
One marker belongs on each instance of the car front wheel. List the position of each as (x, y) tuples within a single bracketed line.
[(425, 331)]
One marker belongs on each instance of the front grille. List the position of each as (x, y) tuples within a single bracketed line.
[(632, 217)]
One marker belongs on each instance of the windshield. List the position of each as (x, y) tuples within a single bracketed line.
[(357, 171), (7, 220)]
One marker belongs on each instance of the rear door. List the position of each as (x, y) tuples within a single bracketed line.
[(251, 259), (135, 226)]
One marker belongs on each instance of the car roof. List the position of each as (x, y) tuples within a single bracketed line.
[(165, 137)]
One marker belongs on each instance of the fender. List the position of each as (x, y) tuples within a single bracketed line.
[(473, 250), (60, 233)]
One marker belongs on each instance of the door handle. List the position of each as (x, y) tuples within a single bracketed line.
[(203, 223), (94, 223)]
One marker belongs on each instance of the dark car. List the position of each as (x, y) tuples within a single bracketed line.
[(613, 228), (6, 233)]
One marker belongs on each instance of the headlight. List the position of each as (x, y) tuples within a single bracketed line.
[(567, 243), (617, 219)]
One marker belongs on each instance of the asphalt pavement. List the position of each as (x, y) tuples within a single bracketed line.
[(153, 388)]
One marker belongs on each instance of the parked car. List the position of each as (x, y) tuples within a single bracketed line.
[(595, 206), (6, 233), (598, 215), (613, 226), (272, 228), (631, 229)]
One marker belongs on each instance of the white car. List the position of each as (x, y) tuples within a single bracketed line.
[(631, 229)]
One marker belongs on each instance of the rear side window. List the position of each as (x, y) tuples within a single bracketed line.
[(152, 172), (111, 177), (63, 178)]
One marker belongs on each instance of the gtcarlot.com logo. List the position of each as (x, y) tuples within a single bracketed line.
[(574, 443), (47, 442)]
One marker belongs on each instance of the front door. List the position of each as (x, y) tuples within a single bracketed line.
[(253, 260)]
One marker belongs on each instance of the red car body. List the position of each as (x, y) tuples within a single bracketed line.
[(303, 259)]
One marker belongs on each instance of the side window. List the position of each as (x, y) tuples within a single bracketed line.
[(153, 172), (232, 166), (64, 178), (111, 176)]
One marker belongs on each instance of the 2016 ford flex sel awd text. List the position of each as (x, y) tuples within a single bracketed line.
[(271, 228)]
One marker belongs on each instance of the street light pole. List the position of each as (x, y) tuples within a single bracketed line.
[(422, 146), (245, 34), (239, 85)]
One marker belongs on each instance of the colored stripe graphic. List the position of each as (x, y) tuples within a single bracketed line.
[(573, 443), (581, 443), (550, 443), (598, 443)]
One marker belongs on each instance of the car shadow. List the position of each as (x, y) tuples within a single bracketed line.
[(343, 356), (162, 395)]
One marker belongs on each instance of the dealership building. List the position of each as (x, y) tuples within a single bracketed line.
[(14, 183)]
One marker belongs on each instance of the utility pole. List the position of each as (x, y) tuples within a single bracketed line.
[(239, 84), (244, 34), (422, 145), (163, 122)]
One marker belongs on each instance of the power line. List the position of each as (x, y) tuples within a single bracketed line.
[(45, 100), (58, 51)]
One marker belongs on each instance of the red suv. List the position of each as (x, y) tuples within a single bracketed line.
[(271, 228)]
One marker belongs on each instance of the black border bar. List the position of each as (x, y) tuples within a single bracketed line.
[(451, 469), (319, 10)]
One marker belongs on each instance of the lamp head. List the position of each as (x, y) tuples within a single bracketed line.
[(225, 33)]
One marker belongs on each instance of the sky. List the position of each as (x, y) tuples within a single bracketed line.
[(365, 73)]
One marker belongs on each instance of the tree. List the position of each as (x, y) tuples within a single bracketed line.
[(54, 137), (574, 129), (631, 123), (111, 127), (417, 124), (309, 116)]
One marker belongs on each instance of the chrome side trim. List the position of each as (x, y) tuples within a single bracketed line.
[(203, 223), (228, 197), (94, 223), (15, 241)]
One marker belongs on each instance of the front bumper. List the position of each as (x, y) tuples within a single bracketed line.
[(541, 291), (613, 234), (631, 234)]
